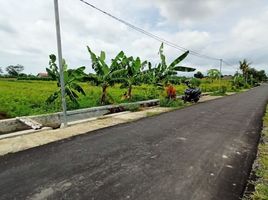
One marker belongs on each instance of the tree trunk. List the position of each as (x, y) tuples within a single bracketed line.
[(129, 94), (103, 96)]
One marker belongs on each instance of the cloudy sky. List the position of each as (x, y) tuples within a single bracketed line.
[(228, 29)]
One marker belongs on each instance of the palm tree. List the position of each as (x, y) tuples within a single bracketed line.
[(71, 77), (105, 75), (244, 67)]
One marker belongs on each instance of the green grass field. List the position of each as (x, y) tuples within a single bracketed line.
[(22, 98)]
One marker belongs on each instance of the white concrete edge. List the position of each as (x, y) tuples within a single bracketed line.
[(26, 132)]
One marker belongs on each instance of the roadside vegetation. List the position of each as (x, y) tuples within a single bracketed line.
[(124, 79), (261, 185)]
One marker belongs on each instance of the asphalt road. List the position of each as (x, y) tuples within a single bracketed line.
[(201, 152)]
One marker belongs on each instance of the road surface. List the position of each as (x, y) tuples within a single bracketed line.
[(202, 152)]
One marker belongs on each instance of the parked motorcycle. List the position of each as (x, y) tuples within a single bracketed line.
[(191, 94)]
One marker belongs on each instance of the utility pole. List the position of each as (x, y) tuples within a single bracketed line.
[(220, 65), (220, 70), (62, 85)]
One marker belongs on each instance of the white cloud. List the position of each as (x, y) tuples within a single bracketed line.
[(228, 29)]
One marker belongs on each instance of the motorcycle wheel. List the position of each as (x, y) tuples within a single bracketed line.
[(196, 100)]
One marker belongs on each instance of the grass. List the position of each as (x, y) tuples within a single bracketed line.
[(22, 98), (132, 108), (164, 102), (261, 185)]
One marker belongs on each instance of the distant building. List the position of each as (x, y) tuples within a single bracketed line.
[(42, 75)]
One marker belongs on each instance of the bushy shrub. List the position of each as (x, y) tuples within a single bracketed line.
[(194, 82), (239, 82)]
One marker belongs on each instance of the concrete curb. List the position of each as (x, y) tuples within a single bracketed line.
[(54, 120)]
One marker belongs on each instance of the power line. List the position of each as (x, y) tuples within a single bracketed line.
[(171, 44), (227, 63), (192, 52)]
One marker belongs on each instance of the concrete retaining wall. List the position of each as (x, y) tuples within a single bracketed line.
[(54, 120)]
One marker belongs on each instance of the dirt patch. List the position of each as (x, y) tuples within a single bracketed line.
[(3, 116)]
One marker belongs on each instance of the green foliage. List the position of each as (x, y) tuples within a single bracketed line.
[(22, 98), (239, 81), (130, 73), (254, 76), (14, 70), (250, 74), (34, 78), (261, 185), (166, 102), (214, 74), (132, 107), (71, 77), (244, 67), (163, 73), (194, 82), (105, 75), (221, 91)]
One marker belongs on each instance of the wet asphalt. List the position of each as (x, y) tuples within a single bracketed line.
[(202, 152)]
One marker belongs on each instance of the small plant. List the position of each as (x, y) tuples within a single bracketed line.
[(171, 92), (221, 92), (164, 102)]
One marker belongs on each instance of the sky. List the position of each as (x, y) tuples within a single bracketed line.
[(227, 29)]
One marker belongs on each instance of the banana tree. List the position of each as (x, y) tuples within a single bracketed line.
[(214, 74), (105, 75), (163, 73), (131, 73), (71, 77)]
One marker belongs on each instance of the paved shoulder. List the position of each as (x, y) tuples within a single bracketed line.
[(201, 152)]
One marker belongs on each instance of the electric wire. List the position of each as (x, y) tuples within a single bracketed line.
[(148, 33), (171, 44)]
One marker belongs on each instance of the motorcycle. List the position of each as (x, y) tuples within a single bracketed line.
[(191, 94)]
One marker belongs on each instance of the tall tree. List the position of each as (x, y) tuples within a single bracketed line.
[(105, 75), (244, 67), (1, 71), (131, 73), (14, 70)]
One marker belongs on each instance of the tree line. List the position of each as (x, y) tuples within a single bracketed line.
[(124, 70)]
